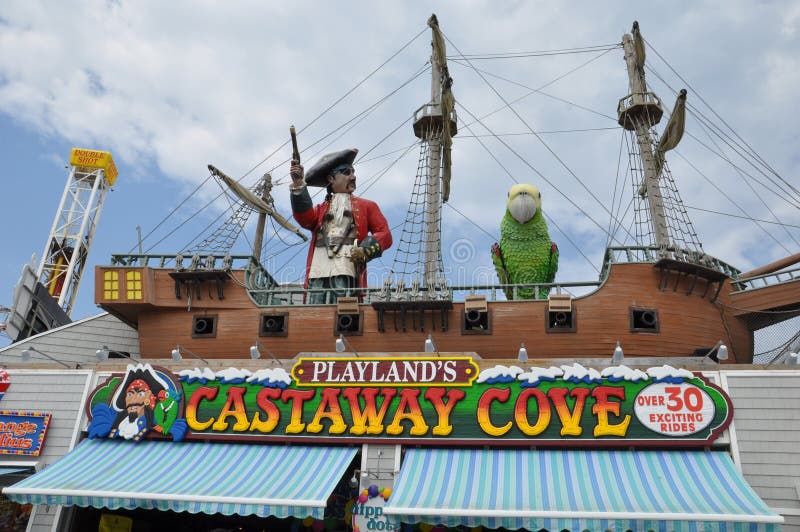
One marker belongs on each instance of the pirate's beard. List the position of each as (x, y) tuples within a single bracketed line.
[(133, 410), (339, 204)]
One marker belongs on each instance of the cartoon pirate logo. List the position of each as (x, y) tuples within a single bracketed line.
[(145, 400)]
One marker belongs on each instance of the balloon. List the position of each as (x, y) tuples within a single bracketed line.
[(387, 492), (439, 529), (308, 521), (425, 527), (318, 525), (373, 490), (363, 498), (356, 529), (478, 528)]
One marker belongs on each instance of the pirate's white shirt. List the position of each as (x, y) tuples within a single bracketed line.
[(326, 262), (128, 429)]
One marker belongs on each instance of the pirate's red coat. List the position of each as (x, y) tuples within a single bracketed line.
[(367, 217)]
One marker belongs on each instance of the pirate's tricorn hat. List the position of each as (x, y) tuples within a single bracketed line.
[(317, 175), (140, 372)]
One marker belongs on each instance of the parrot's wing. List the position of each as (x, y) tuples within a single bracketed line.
[(103, 417), (499, 264), (553, 265)]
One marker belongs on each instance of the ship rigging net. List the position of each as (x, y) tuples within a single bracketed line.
[(422, 227), (681, 232), (223, 238)]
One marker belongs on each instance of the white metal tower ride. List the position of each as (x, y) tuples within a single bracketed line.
[(91, 174)]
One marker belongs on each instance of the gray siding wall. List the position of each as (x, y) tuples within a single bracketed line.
[(60, 393), (76, 343), (766, 424), (379, 461)]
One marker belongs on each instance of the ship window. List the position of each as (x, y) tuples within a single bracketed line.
[(644, 320), (204, 326), (561, 321), (274, 325), (110, 285), (133, 282)]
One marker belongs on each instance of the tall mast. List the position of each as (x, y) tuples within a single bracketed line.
[(433, 242), (266, 186), (418, 259), (638, 112), (435, 125)]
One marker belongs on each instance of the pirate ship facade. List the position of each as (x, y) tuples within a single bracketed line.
[(663, 297)]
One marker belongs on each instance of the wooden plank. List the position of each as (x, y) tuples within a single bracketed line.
[(779, 448), (766, 435), (775, 470), (769, 412)]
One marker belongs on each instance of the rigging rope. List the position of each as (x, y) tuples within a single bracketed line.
[(614, 192), (539, 53), (734, 202), (744, 218), (539, 90), (529, 165), (421, 234), (709, 126), (550, 132), (276, 150), (547, 146), (700, 97)]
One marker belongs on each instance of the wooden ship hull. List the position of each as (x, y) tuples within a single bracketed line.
[(651, 314)]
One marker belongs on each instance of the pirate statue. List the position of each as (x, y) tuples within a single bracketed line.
[(348, 231)]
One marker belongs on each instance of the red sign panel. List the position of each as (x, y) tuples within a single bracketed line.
[(417, 371)]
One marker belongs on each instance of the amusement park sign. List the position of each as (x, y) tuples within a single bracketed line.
[(431, 400)]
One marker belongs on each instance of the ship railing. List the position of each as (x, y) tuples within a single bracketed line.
[(652, 254), (767, 279), (178, 261), (282, 295)]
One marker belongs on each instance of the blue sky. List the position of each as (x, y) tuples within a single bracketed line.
[(170, 88)]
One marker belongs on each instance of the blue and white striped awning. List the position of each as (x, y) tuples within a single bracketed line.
[(210, 478), (11, 470), (577, 490)]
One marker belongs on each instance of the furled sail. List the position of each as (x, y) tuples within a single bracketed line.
[(673, 133), (448, 103), (255, 202), (638, 46)]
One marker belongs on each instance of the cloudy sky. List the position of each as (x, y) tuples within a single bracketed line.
[(171, 87)]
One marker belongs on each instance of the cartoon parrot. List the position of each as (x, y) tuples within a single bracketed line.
[(525, 253), (166, 411)]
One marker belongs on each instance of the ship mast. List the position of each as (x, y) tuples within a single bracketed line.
[(434, 125), (433, 242), (638, 112)]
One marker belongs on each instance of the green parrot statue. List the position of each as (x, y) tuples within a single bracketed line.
[(166, 411), (525, 254)]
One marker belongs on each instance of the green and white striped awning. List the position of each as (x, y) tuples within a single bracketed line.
[(224, 478), (577, 490)]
